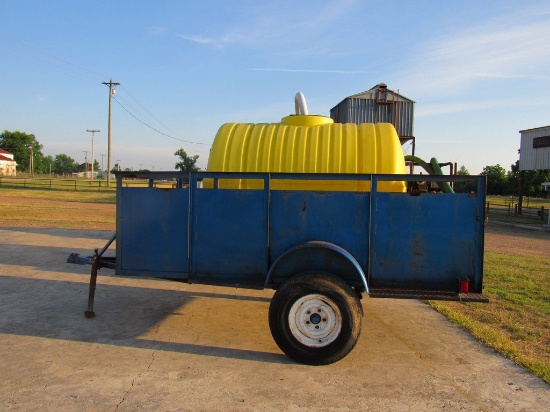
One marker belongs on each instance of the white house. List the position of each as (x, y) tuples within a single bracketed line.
[(7, 164)]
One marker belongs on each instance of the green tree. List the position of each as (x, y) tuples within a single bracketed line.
[(64, 164), (48, 163), (20, 144), (464, 187), (497, 182), (186, 163), (532, 181)]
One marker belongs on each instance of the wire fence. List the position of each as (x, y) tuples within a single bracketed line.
[(71, 184), (509, 211), (54, 184)]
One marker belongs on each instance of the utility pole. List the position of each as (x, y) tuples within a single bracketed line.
[(31, 164), (93, 133), (86, 163), (111, 92), (102, 169)]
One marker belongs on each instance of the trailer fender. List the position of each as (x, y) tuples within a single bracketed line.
[(316, 256)]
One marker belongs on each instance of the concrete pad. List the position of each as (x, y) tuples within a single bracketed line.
[(160, 345)]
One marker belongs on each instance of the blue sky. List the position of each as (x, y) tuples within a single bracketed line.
[(478, 71)]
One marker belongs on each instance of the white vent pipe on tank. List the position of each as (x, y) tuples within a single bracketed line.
[(300, 104)]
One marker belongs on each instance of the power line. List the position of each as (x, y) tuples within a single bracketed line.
[(31, 54), (144, 108), (44, 64), (48, 54), (154, 129), (155, 124)]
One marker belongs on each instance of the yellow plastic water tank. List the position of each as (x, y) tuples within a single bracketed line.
[(307, 144)]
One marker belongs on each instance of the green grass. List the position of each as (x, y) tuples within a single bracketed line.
[(61, 195), (516, 322)]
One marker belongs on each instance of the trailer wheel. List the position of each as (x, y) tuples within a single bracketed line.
[(315, 318)]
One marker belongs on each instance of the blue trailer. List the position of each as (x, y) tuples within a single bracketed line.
[(319, 250)]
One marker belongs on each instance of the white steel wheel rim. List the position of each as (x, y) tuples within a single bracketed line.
[(315, 320)]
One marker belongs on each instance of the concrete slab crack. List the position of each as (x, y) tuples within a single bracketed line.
[(134, 381)]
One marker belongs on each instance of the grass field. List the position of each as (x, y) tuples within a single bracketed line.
[(57, 208), (60, 195), (516, 323)]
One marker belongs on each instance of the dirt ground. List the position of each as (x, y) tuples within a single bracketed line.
[(501, 238)]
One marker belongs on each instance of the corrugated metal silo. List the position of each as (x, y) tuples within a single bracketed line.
[(378, 105)]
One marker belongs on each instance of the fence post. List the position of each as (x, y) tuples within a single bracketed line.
[(75, 185), (515, 209), (509, 209), (542, 213)]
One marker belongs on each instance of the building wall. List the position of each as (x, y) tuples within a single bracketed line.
[(535, 149), (7, 168)]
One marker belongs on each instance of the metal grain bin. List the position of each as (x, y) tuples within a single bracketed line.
[(378, 105)]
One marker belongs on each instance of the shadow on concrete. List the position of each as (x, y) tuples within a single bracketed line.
[(34, 303), (41, 257), (126, 316)]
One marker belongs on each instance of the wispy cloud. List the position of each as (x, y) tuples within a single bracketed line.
[(509, 47), (155, 30), (427, 110), (442, 141), (216, 42), (277, 26), (308, 71), (496, 75)]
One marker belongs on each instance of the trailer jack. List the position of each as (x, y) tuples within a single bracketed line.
[(97, 261)]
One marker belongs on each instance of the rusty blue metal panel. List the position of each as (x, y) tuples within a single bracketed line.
[(229, 232), (424, 242), (223, 236), (340, 218), (152, 232)]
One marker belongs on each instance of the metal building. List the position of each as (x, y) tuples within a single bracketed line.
[(378, 105), (534, 152)]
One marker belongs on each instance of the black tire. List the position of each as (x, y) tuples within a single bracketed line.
[(315, 318)]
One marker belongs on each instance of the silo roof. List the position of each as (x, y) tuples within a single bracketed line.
[(368, 94)]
